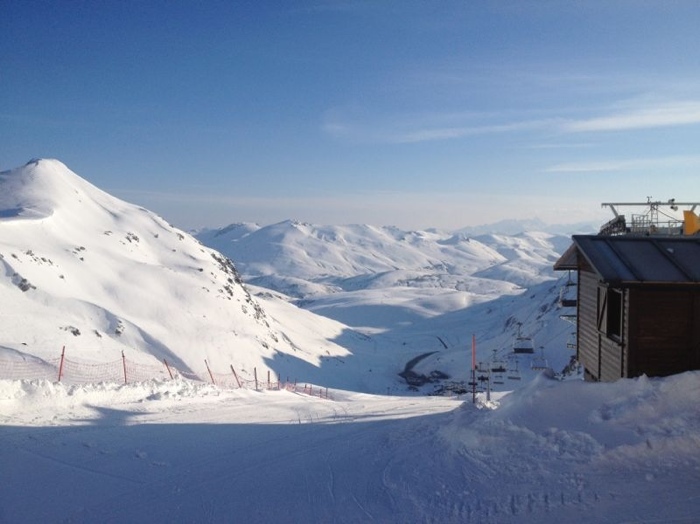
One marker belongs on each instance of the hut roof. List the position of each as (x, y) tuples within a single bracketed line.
[(634, 259)]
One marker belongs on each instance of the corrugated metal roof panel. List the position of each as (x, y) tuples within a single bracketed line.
[(649, 261), (569, 260), (604, 259), (624, 259), (686, 255)]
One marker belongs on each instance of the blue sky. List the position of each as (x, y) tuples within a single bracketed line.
[(410, 113)]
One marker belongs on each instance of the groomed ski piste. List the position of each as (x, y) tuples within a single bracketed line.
[(180, 451)]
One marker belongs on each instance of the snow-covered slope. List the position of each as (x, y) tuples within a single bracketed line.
[(338, 256), (323, 265), (332, 254), (175, 451), (423, 291), (83, 269)]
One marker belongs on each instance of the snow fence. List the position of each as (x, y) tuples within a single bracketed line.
[(64, 369)]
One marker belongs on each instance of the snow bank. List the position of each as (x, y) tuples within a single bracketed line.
[(595, 446)]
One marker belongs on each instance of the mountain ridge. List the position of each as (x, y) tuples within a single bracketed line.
[(418, 288), (85, 269)]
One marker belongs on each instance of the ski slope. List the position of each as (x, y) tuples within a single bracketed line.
[(175, 451)]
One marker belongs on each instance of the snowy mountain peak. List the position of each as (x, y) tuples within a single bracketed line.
[(35, 189), (84, 269), (235, 230), (455, 239)]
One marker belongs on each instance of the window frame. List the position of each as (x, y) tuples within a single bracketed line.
[(611, 312)]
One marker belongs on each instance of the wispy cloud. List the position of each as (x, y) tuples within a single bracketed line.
[(663, 115), (364, 127), (565, 145), (430, 134), (411, 129), (625, 164)]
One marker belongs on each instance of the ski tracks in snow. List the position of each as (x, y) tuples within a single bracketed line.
[(265, 457)]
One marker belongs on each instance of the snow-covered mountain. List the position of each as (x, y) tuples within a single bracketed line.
[(83, 269), (513, 227), (423, 291), (334, 256), (309, 262)]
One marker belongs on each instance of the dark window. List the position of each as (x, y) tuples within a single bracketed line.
[(614, 316), (610, 312)]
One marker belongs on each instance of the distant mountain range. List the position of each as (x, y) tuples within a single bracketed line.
[(514, 227), (344, 306), (426, 290), (318, 264)]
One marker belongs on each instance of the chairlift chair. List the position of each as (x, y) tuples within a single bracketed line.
[(568, 293), (539, 362), (522, 344), (498, 368), (514, 372)]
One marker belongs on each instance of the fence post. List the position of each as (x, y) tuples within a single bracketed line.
[(209, 370), (236, 377), (168, 368), (124, 366), (268, 379), (60, 367), (255, 372)]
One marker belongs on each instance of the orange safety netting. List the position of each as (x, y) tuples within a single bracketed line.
[(125, 371)]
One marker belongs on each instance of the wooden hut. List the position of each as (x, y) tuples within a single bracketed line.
[(638, 304)]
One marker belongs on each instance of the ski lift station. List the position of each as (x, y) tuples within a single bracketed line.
[(637, 304)]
